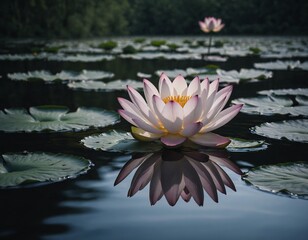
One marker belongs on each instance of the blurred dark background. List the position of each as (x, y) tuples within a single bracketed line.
[(96, 18)]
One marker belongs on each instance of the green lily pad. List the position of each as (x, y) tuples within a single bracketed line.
[(287, 178), (102, 86), (63, 75), (54, 118), (243, 145), (292, 130), (273, 104), (21, 169), (119, 141)]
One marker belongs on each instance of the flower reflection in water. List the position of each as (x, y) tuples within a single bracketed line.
[(173, 174)]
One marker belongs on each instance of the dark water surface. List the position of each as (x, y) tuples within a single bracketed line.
[(90, 207)]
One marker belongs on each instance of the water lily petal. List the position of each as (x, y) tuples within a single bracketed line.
[(142, 135), (138, 100), (146, 126), (172, 117), (179, 85), (128, 116), (130, 107), (222, 118), (165, 86), (149, 91), (194, 87), (192, 110), (172, 140), (210, 140), (191, 129)]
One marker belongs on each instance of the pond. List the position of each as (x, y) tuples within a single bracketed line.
[(268, 169)]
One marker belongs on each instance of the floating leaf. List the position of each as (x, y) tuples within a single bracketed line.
[(101, 86), (143, 75), (288, 178), (292, 130), (272, 104), (79, 58), (63, 75), (243, 145), (20, 169), (55, 118), (119, 141), (296, 91), (245, 74), (278, 65)]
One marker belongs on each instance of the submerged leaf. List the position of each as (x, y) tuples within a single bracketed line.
[(288, 178), (20, 169), (119, 141), (292, 130), (54, 118)]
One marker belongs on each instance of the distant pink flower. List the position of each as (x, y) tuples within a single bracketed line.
[(211, 24), (177, 112), (175, 174)]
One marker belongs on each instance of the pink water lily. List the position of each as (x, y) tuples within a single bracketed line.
[(211, 24), (176, 112)]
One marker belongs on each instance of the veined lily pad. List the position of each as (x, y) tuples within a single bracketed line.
[(278, 65), (271, 104), (101, 86), (296, 91), (63, 75), (55, 118), (245, 74), (21, 169), (288, 178), (243, 145), (292, 130), (119, 141)]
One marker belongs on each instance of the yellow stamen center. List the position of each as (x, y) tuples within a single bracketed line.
[(182, 100)]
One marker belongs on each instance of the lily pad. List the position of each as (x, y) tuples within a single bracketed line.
[(292, 130), (79, 58), (243, 145), (102, 86), (287, 178), (296, 91), (119, 141), (245, 74), (278, 65), (21, 169), (63, 75), (54, 118), (272, 104)]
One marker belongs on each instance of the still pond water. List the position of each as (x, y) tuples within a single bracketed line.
[(90, 206)]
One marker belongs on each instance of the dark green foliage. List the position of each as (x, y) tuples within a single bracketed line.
[(129, 50), (218, 44), (95, 18), (172, 46), (108, 45), (158, 43)]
